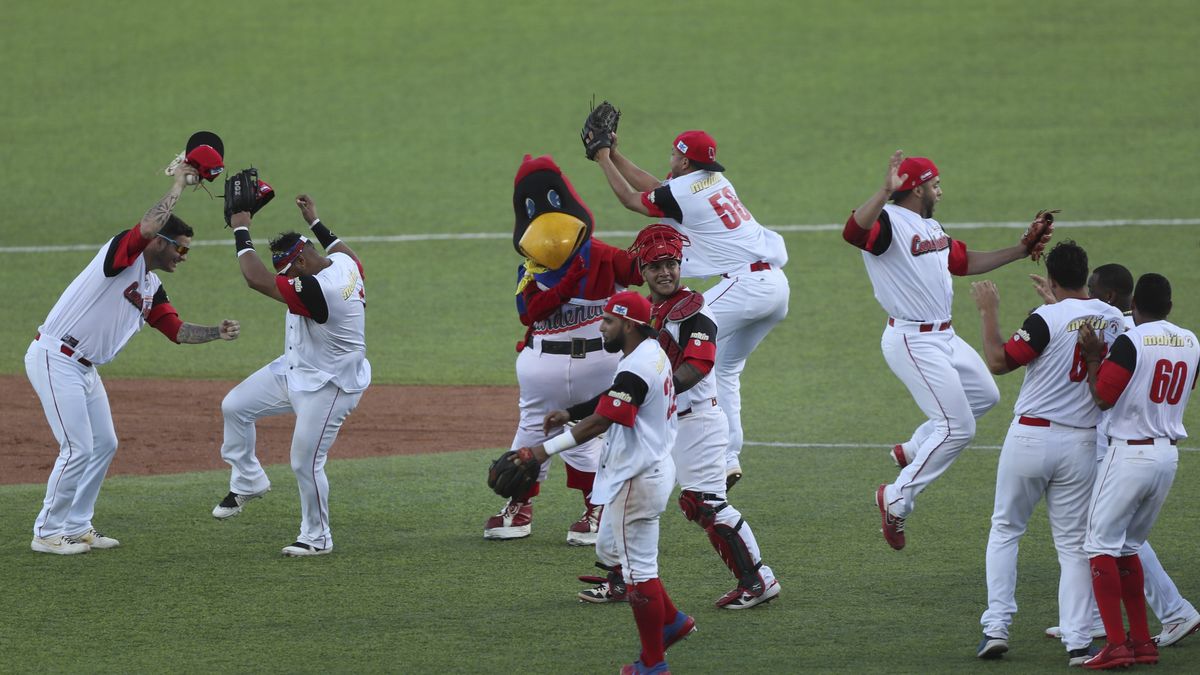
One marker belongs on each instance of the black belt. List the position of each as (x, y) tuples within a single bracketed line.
[(68, 351), (578, 348)]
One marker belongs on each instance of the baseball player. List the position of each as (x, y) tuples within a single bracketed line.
[(1113, 284), (560, 295), (688, 333), (636, 473), (107, 303), (320, 377), (1146, 380), (910, 260), (752, 296), (1050, 447)]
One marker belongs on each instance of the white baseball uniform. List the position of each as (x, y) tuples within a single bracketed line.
[(1049, 451), (699, 449), (110, 301), (1149, 373), (752, 297), (910, 260), (636, 474), (320, 378)]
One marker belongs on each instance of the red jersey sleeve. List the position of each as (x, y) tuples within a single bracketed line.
[(124, 250), (958, 258)]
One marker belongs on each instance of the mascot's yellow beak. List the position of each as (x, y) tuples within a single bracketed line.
[(552, 238)]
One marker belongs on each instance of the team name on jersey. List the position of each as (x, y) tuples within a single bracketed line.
[(348, 290), (1096, 323), (706, 183), (700, 336), (1166, 341), (922, 246), (569, 317)]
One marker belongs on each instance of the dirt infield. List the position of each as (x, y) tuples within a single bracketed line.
[(156, 439)]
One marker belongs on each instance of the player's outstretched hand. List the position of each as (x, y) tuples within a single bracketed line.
[(986, 297), (894, 179), (308, 208), (555, 419), (229, 329), (185, 174), (1042, 286), (1091, 344)]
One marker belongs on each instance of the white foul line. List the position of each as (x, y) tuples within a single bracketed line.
[(461, 236), (861, 446)]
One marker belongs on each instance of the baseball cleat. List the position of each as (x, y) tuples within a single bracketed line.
[(96, 539), (899, 456), (599, 594), (741, 598), (1145, 653), (893, 526), (300, 549), (1112, 656), (583, 531), (992, 647), (1076, 657), (515, 521), (233, 503), (636, 668), (1055, 633), (680, 628), (60, 545), (1174, 632)]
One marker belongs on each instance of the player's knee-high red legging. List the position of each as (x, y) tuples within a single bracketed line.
[(652, 610), (1118, 581)]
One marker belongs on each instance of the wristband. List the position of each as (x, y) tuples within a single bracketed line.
[(564, 441), (241, 240), (323, 234)]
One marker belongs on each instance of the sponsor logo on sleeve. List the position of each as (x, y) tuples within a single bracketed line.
[(1022, 334), (620, 396)]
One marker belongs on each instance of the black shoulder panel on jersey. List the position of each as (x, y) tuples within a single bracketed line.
[(665, 201), (687, 306), (160, 296), (883, 240), (630, 384), (309, 291), (1123, 353), (1037, 332), (110, 270), (698, 323)]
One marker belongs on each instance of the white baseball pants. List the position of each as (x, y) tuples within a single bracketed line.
[(1131, 486), (1057, 462), (746, 307), (76, 406), (952, 386), (628, 531), (319, 417)]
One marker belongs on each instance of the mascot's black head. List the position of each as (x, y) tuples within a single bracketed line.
[(552, 222)]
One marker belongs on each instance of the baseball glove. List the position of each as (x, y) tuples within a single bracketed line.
[(509, 479), (598, 128), (245, 192), (1038, 235)]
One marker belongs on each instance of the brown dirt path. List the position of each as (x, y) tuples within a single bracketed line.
[(390, 420)]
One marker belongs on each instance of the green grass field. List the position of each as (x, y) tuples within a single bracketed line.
[(410, 118)]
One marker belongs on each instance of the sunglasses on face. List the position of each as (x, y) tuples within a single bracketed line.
[(179, 248)]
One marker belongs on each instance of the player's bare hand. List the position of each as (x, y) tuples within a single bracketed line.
[(613, 136), (240, 219), (554, 420), (986, 297), (1042, 286), (1091, 344), (894, 179), (186, 174), (229, 329), (308, 208)]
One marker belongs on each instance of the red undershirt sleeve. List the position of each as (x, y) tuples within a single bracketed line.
[(958, 258), (1111, 381)]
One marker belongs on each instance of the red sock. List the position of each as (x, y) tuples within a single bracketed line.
[(1106, 585), (580, 480), (1134, 596), (649, 617), (669, 609)]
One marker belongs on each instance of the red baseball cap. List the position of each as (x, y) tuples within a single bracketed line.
[(699, 148), (629, 305), (919, 169)]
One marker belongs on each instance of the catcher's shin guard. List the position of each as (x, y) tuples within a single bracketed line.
[(733, 551), (701, 507)]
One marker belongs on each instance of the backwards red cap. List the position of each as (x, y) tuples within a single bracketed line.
[(629, 305), (919, 169), (699, 148)]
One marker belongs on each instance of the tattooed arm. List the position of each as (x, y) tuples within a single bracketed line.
[(193, 334), (157, 215)]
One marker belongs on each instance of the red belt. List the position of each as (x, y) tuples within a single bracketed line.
[(925, 327), (757, 266), (685, 413), (1147, 441), (1033, 421), (68, 351)]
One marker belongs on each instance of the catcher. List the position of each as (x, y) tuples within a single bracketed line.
[(910, 260), (636, 473), (321, 375)]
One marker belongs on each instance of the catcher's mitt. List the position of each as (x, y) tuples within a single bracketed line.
[(245, 192), (1038, 235), (598, 128), (509, 479)]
